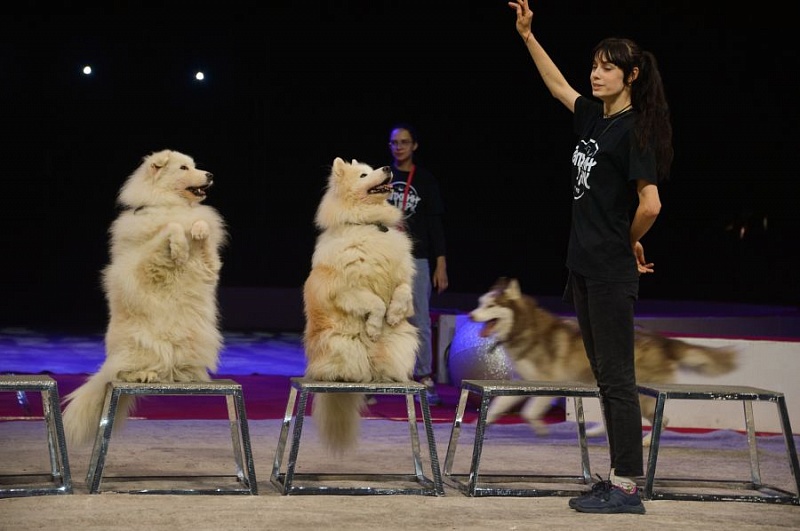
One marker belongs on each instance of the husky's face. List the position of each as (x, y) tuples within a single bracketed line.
[(495, 311)]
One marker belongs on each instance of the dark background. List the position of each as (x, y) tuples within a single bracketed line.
[(292, 85)]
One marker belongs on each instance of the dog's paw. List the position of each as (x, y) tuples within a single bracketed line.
[(190, 373), (138, 376), (539, 427), (597, 430), (178, 246), (401, 306), (395, 314), (200, 230), (373, 326)]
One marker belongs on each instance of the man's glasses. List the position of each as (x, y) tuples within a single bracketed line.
[(400, 143)]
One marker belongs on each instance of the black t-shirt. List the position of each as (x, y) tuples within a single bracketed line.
[(606, 164), (423, 213)]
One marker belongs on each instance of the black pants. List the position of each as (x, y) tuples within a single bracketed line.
[(605, 316)]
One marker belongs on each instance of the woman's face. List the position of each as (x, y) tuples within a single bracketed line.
[(607, 79), (401, 145)]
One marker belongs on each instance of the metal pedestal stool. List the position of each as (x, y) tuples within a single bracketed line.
[(240, 435), (58, 481), (286, 481), (497, 484), (654, 489)]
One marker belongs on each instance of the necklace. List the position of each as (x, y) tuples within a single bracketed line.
[(617, 116), (628, 107)]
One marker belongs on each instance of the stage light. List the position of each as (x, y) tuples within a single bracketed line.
[(87, 70), (199, 76)]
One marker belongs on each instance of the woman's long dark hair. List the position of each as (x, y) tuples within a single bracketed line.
[(652, 128)]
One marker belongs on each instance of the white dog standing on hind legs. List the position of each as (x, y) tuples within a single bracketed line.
[(160, 286), (543, 346), (357, 297)]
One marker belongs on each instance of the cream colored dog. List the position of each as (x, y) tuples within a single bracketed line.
[(357, 297), (161, 288)]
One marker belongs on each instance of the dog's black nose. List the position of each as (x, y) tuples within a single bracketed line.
[(209, 177)]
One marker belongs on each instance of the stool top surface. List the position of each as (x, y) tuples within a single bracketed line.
[(532, 387), (355, 387), (708, 391), (166, 387), (17, 381)]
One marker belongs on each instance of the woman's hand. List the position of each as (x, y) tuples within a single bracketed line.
[(641, 264), (524, 18)]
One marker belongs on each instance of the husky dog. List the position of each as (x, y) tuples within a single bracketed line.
[(542, 346), (357, 297), (160, 285)]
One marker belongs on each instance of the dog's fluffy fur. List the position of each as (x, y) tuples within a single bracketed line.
[(357, 297), (160, 285), (542, 346)]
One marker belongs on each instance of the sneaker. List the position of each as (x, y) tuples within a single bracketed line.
[(613, 501), (430, 390), (598, 489)]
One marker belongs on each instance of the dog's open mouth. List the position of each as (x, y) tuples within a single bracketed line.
[(200, 191), (488, 328), (383, 188)]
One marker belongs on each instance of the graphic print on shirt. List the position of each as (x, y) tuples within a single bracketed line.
[(583, 158), (396, 198)]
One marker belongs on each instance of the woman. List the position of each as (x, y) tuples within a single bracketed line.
[(416, 193), (624, 149)]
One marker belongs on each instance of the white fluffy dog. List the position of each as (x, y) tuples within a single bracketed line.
[(357, 297), (161, 288)]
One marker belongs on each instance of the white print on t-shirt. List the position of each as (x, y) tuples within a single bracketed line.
[(583, 160), (396, 198)]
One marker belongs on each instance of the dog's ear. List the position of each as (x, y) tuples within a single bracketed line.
[(513, 291), (338, 165), (159, 160)]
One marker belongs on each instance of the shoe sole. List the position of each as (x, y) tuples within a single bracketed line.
[(573, 502)]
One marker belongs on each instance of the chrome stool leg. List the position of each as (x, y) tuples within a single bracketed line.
[(59, 480), (668, 488), (288, 481), (474, 483), (240, 436)]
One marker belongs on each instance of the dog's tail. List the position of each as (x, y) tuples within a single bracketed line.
[(84, 407), (709, 361), (701, 359), (338, 417)]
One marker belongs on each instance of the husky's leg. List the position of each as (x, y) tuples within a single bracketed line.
[(648, 405), (500, 405), (533, 411), (597, 430)]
